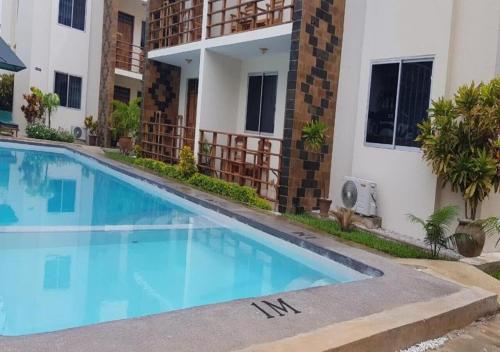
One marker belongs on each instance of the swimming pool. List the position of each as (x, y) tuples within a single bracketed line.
[(81, 243)]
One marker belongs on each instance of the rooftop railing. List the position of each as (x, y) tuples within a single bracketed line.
[(248, 160), (234, 16), (129, 57), (175, 22)]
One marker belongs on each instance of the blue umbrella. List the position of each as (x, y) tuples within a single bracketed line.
[(8, 59)]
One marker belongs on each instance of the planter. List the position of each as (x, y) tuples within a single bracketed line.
[(125, 144), (469, 238), (324, 207), (92, 140)]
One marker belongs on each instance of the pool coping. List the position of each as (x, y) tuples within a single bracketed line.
[(387, 277)]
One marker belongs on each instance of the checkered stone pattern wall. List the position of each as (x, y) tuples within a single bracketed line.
[(162, 84), (160, 106), (108, 60), (311, 95)]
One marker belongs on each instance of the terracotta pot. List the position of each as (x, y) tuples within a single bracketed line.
[(92, 140), (324, 207), (125, 144), (469, 238)]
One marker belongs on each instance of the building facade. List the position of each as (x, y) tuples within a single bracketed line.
[(459, 43), (238, 80), (61, 42)]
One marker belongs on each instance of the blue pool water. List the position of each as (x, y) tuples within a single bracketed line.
[(82, 244)]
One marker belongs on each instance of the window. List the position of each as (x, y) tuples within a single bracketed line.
[(399, 99), (122, 94), (69, 89), (63, 196), (261, 102), (72, 13), (143, 34), (57, 272)]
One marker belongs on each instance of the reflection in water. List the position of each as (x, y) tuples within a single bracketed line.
[(47, 189), (7, 215), (54, 280), (78, 279)]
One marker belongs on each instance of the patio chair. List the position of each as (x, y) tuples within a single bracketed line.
[(275, 11), (10, 128), (248, 18)]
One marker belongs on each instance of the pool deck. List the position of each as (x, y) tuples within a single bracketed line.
[(397, 308)]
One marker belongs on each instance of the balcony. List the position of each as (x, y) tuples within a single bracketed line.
[(129, 57), (248, 160), (235, 16), (163, 139), (175, 23)]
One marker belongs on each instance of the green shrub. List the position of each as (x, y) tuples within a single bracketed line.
[(243, 194), (393, 248), (40, 131), (230, 190), (187, 164)]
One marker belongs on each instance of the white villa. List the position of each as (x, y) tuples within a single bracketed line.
[(237, 80)]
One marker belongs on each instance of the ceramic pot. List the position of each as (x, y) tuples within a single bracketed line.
[(324, 207), (125, 144), (470, 238), (92, 140)]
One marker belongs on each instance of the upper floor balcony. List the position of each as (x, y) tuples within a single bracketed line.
[(177, 22), (235, 16), (129, 57)]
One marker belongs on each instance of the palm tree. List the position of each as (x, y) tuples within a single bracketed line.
[(49, 102), (125, 117), (436, 228)]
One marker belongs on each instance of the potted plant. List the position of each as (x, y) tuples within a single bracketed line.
[(460, 141), (125, 122), (436, 228), (92, 126), (314, 135)]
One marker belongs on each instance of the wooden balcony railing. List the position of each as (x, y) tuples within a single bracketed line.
[(129, 57), (175, 22), (253, 161), (234, 16), (162, 138)]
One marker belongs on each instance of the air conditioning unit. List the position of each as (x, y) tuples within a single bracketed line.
[(360, 195), (79, 133)]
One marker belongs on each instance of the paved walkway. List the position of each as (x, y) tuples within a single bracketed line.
[(482, 336)]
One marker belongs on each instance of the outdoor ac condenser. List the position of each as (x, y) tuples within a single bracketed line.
[(360, 195)]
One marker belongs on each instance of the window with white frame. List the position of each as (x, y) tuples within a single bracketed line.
[(72, 13), (399, 100), (261, 102), (69, 89)]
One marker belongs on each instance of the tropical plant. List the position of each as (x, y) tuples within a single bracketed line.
[(436, 228), (187, 163), (461, 141), (33, 109), (91, 125), (137, 151), (125, 118), (344, 217), (50, 103), (491, 226), (314, 135), (6, 91), (41, 131)]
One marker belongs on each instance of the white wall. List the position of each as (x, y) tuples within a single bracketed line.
[(463, 38), (394, 29), (219, 100), (45, 46), (277, 63), (347, 97)]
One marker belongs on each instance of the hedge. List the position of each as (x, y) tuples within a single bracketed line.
[(242, 194), (41, 131)]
